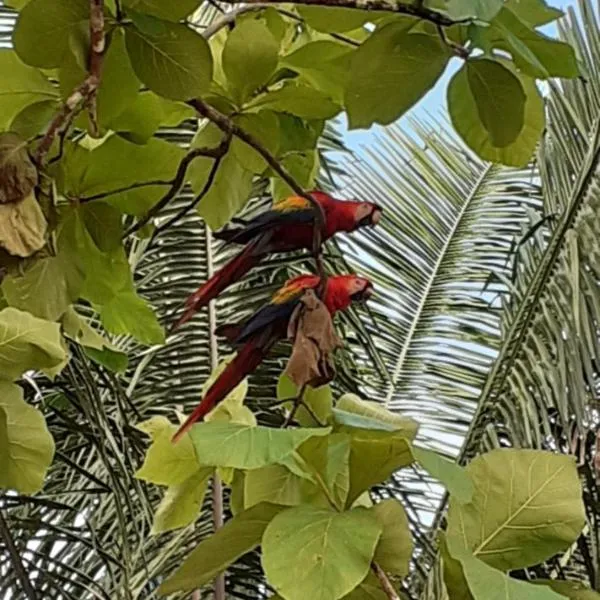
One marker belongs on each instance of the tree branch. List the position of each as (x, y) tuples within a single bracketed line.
[(386, 584), (224, 123), (85, 91), (413, 10), (178, 181), (15, 558)]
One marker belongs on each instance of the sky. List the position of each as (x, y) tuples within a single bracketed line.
[(434, 102)]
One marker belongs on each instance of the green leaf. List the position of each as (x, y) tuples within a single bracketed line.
[(395, 547), (453, 573), (324, 64), (320, 401), (368, 589), (499, 97), (78, 329), (482, 10), (517, 492), (174, 10), (336, 20), (42, 31), (26, 446), (112, 360), (166, 463), (575, 590), (533, 53), (22, 86), (231, 186), (486, 582), (241, 534), (264, 126), (392, 70), (298, 134), (170, 58), (34, 119), (27, 342), (302, 166), (355, 412), (246, 447), (52, 284), (119, 87), (140, 120), (296, 98), (127, 313), (374, 456), (534, 12), (454, 477), (249, 57), (182, 502), (117, 164), (466, 121), (314, 553)]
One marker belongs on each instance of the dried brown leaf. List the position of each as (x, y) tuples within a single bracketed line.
[(22, 227), (315, 339), (18, 175)]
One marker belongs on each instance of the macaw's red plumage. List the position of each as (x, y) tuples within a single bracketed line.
[(286, 227), (267, 326)]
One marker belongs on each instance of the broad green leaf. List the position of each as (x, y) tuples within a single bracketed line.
[(264, 126), (466, 121), (486, 582), (499, 98), (78, 329), (453, 573), (127, 313), (482, 10), (117, 164), (324, 64), (249, 57), (297, 98), (374, 456), (231, 186), (27, 342), (52, 284), (517, 492), (534, 12), (454, 477), (119, 86), (392, 70), (533, 53), (356, 412), (103, 223), (182, 502), (246, 447), (34, 119), (278, 26), (22, 86), (140, 120), (111, 359), (314, 553), (574, 590), (213, 555), (320, 401), (395, 546), (302, 166), (236, 498), (42, 31), (167, 463), (368, 589), (170, 58), (174, 10), (337, 20), (26, 446)]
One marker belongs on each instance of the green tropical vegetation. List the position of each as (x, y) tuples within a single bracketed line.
[(454, 453)]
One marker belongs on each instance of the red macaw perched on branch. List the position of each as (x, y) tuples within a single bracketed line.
[(287, 226), (269, 325)]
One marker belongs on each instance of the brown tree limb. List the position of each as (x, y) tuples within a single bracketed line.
[(178, 181), (224, 123), (386, 584), (84, 93), (414, 10)]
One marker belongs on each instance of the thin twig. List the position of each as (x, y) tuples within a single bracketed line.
[(386, 584), (457, 49), (86, 90), (297, 401), (413, 10), (126, 188), (178, 181), (15, 558), (228, 18)]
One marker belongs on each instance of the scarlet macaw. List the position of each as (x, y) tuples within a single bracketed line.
[(269, 325), (286, 227)]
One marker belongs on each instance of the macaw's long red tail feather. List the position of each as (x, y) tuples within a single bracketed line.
[(247, 359), (234, 270)]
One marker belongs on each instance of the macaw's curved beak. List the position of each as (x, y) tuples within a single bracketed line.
[(364, 294), (376, 215)]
